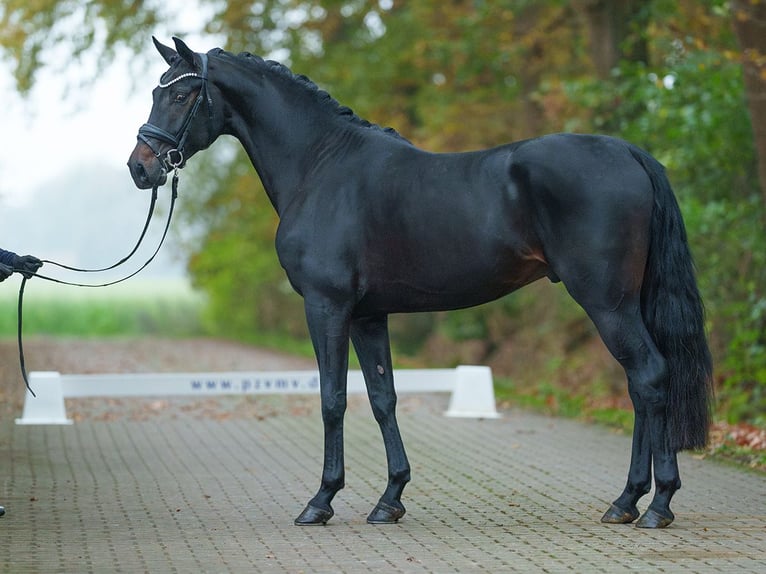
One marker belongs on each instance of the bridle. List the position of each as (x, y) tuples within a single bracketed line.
[(174, 157)]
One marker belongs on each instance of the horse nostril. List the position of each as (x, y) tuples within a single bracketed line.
[(140, 171)]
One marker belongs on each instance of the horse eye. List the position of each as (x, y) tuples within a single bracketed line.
[(180, 98)]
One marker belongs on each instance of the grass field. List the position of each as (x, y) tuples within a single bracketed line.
[(137, 307)]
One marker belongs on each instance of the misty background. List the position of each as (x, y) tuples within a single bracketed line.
[(91, 216)]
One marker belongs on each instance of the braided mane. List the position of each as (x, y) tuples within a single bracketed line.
[(321, 96)]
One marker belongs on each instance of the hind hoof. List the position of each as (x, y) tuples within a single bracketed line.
[(616, 515), (385, 513), (653, 519), (312, 516)]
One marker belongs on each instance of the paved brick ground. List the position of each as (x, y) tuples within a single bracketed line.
[(173, 486)]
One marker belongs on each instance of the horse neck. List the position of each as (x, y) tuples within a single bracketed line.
[(278, 125)]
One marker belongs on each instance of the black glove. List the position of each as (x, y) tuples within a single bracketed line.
[(5, 272), (27, 265)]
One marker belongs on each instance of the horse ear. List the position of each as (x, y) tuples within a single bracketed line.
[(184, 51), (167, 53)]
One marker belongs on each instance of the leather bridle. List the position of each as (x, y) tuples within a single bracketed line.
[(174, 157)]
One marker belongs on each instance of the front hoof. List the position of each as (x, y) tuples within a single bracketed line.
[(653, 519), (313, 515), (616, 515), (386, 514)]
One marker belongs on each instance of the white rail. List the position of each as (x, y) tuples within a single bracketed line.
[(471, 387)]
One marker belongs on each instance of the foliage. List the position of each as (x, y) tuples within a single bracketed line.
[(735, 284), (30, 30), (689, 115), (449, 76), (742, 444), (553, 400), (468, 74)]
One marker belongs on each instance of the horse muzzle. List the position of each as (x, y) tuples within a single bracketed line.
[(146, 169)]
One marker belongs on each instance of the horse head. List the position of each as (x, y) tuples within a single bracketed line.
[(177, 128)]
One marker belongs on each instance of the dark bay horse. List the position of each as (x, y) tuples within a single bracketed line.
[(371, 225)]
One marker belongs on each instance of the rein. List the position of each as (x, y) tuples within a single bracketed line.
[(173, 159), (152, 204)]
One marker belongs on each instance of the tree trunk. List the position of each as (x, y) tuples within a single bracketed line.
[(615, 28), (750, 26)]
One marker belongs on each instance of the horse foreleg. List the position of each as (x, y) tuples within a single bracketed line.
[(329, 334), (370, 338)]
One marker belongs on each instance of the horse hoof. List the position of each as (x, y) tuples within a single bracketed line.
[(616, 515), (385, 513), (653, 519), (2, 510), (313, 515)]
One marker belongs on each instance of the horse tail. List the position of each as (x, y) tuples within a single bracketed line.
[(673, 312)]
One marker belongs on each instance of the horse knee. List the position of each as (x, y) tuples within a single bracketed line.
[(333, 410)]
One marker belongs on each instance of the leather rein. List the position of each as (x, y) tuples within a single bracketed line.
[(173, 159)]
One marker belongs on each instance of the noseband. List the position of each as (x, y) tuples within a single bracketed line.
[(174, 157)]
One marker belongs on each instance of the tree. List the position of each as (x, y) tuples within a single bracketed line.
[(750, 25), (29, 31), (615, 31)]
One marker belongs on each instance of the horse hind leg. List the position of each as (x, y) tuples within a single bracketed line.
[(624, 510), (625, 335), (370, 338)]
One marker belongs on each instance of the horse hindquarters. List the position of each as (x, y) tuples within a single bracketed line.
[(671, 309), (623, 257)]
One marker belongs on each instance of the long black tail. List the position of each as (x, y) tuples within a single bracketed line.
[(674, 314)]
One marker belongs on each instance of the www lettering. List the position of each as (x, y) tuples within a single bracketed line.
[(256, 385)]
